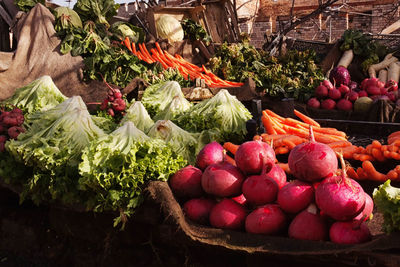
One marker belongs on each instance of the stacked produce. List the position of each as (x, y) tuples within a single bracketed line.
[(253, 194), (293, 75), (11, 125)]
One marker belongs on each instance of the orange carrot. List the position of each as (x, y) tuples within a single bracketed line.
[(127, 43), (285, 167), (341, 143), (361, 174), (330, 131), (306, 119), (372, 173), (376, 144), (392, 175), (392, 148), (231, 147), (351, 172), (395, 155), (377, 154), (159, 48), (278, 127), (257, 138), (269, 127), (274, 115), (281, 150), (230, 160), (386, 154), (347, 152), (362, 157), (269, 137), (134, 48)]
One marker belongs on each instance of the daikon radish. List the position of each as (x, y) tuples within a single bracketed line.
[(381, 65), (394, 72), (383, 74), (346, 58)]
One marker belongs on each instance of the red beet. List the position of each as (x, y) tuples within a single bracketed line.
[(340, 197), (352, 96), (369, 82), (260, 190), (366, 213), (308, 225), (335, 94), (119, 104), (295, 196), (210, 154), (384, 91), (222, 179), (391, 85), (198, 209), (312, 161), (344, 89), (228, 214), (14, 131), (251, 156), (187, 182), (278, 174), (362, 93), (327, 84), (350, 232), (373, 90), (268, 219), (328, 104), (321, 91), (393, 95), (241, 199), (344, 104), (313, 103)]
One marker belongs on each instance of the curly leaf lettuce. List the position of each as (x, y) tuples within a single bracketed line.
[(183, 142), (41, 94), (387, 200), (178, 106), (116, 167), (137, 114), (223, 112), (158, 96)]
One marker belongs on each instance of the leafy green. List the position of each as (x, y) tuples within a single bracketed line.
[(98, 11), (26, 5), (158, 96), (223, 112), (123, 29), (41, 94), (168, 27), (117, 166), (387, 201), (194, 31), (158, 75), (183, 142), (66, 18), (137, 114), (176, 107), (294, 75)]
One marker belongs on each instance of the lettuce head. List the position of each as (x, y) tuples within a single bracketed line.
[(387, 201), (137, 114)]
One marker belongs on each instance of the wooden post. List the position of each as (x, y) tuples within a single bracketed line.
[(391, 28)]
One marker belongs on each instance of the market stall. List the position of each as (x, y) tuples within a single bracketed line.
[(157, 128)]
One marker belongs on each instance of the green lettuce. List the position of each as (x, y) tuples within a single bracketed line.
[(387, 201), (117, 166), (184, 143), (99, 11), (178, 106), (223, 112), (137, 114), (158, 96), (41, 94)]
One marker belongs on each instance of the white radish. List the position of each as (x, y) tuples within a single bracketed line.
[(381, 65), (394, 72), (346, 58), (382, 76)]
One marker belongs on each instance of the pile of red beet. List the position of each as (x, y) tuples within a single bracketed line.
[(11, 122), (256, 197)]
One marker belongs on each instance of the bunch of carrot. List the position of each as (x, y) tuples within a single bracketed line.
[(187, 69), (285, 133)]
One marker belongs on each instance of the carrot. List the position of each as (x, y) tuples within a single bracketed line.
[(281, 150), (134, 48), (257, 138), (306, 119), (377, 154), (285, 167), (269, 137), (392, 148), (231, 147), (230, 160), (395, 155), (373, 174), (361, 174), (284, 142), (159, 48), (392, 175), (274, 115), (376, 144), (294, 123), (277, 126), (341, 144), (330, 131), (269, 127), (348, 151), (127, 43), (362, 157), (351, 172)]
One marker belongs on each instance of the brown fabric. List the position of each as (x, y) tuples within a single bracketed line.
[(245, 242), (38, 54)]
